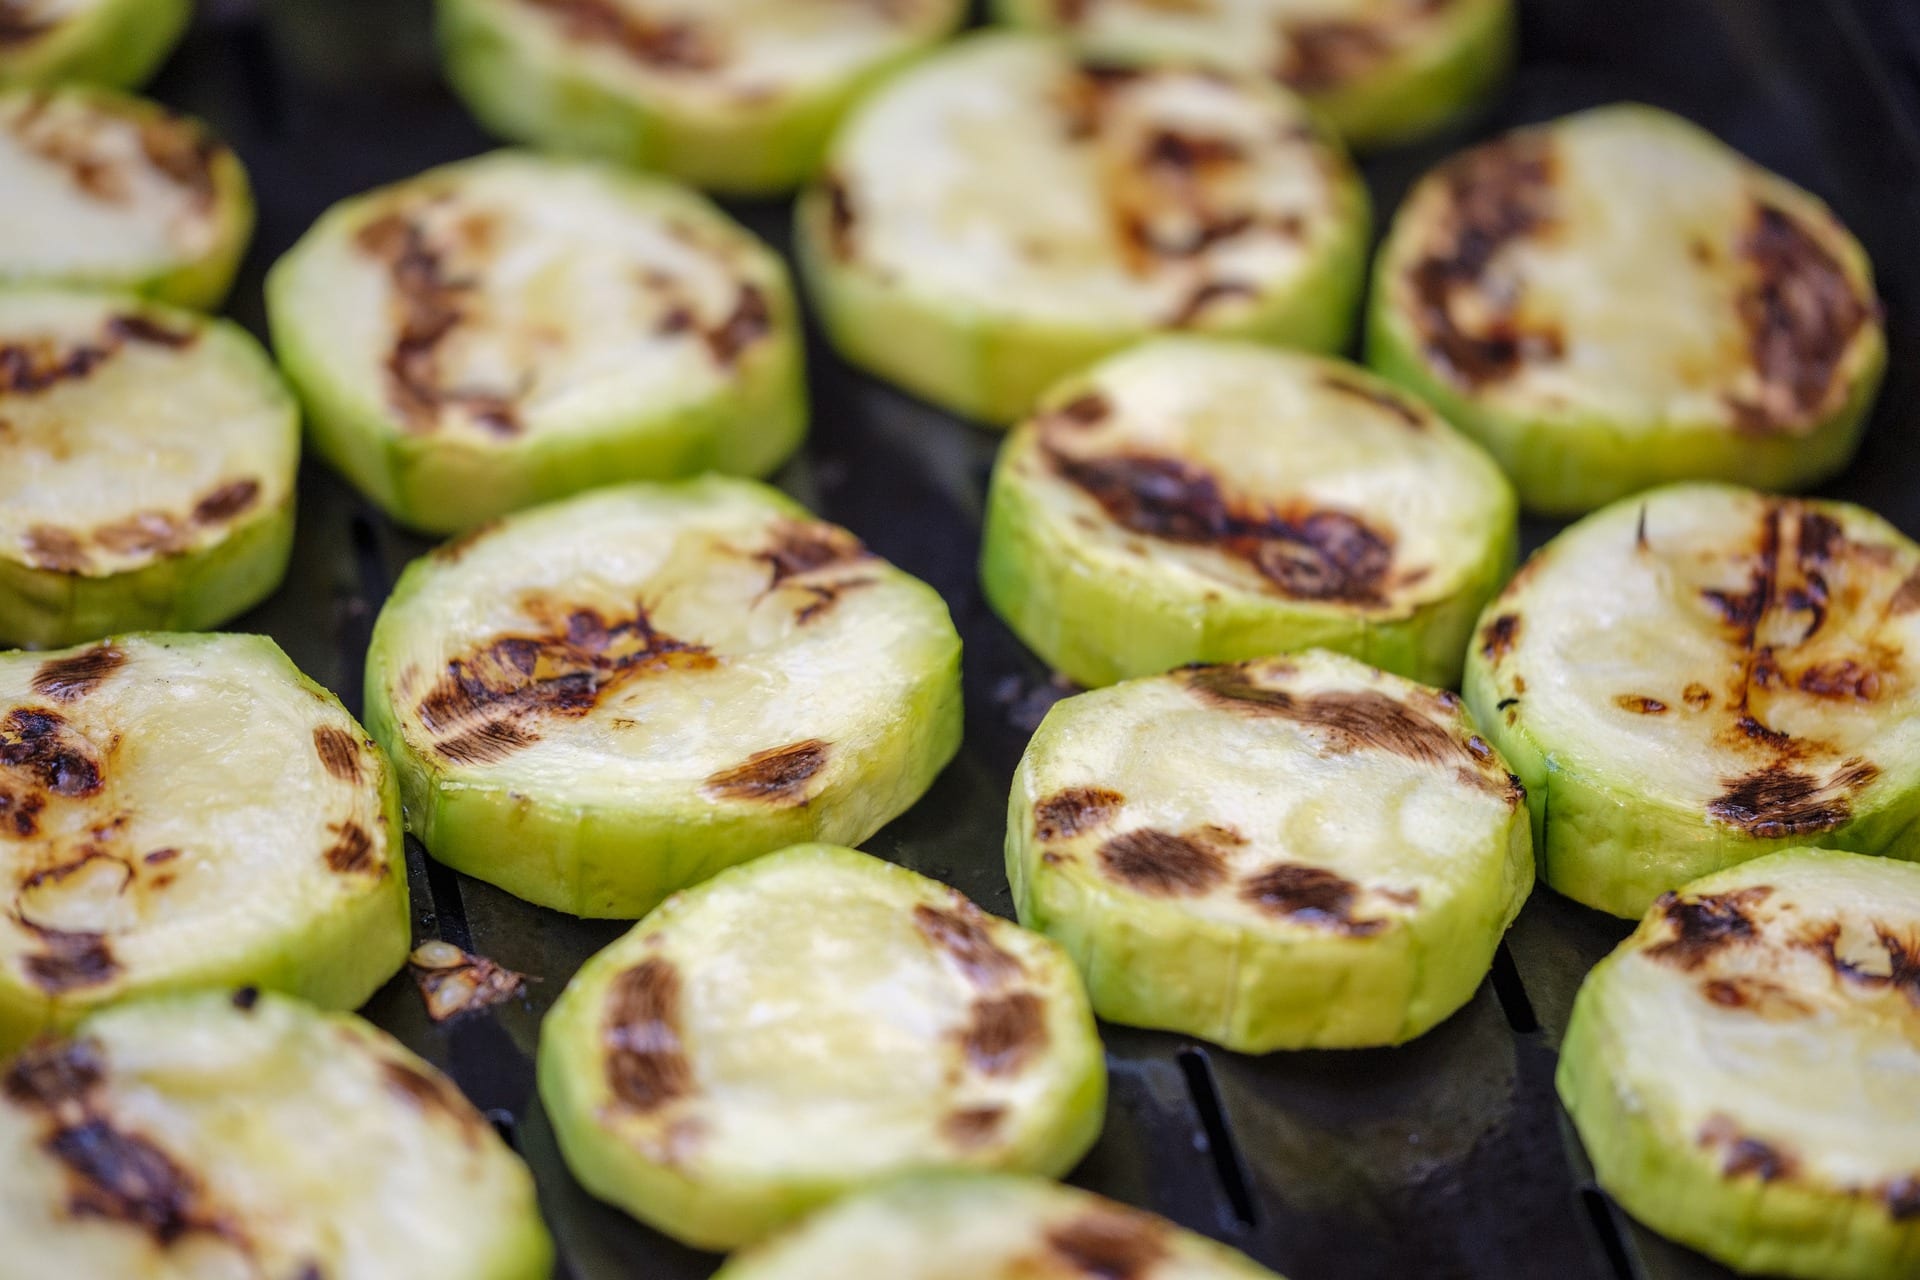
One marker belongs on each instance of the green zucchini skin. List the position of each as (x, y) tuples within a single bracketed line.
[(117, 43)]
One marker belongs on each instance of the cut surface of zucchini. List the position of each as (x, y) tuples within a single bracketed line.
[(147, 462), (1195, 500), (808, 1025), (974, 1226), (1300, 852), (240, 1134), (105, 191), (110, 42), (188, 810), (515, 328), (1745, 1069), (1696, 676), (1382, 71), (1002, 214), (735, 95), (1617, 300), (606, 699)]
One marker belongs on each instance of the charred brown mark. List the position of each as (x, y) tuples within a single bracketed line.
[(676, 45), (1753, 995), (56, 549), (429, 1093), (339, 752), (69, 959), (1325, 55), (1499, 193), (1902, 1197), (54, 1076), (1309, 895), (1906, 597), (185, 153), (38, 743), (777, 777), (750, 320), (647, 1067), (229, 500), (1186, 153), (1109, 1243), (1780, 800), (1498, 637), (72, 678), (352, 852), (1801, 313), (20, 815), (804, 547), (19, 25), (1640, 704), (1897, 968), (964, 934), (31, 366), (1004, 1032), (453, 982), (1844, 680), (1085, 410), (1203, 297), (973, 1126), (843, 218), (1308, 554), (1075, 811), (1378, 397), (483, 708), (134, 327), (122, 1177), (1162, 863), (1742, 1156), (1703, 927)]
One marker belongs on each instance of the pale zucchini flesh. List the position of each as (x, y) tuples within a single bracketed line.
[(119, 43), (739, 96), (147, 462), (1694, 677), (1617, 300), (603, 700), (515, 328), (1381, 71), (236, 1134), (1002, 214), (809, 1025), (1197, 500), (181, 811), (1745, 1069), (1301, 852), (987, 1227)]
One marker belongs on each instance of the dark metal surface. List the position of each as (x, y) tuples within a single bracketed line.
[(1446, 1158)]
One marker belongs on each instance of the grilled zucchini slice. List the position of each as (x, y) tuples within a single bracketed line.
[(1617, 300), (937, 1226), (238, 1134), (1382, 71), (1703, 674), (111, 42), (1745, 1069), (1001, 215), (604, 700), (147, 462), (734, 95), (515, 328), (811, 1024), (183, 811), (1301, 852), (105, 191), (1195, 500)]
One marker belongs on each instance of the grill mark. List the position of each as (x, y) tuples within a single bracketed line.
[(1801, 314), (185, 153), (1109, 1243), (1075, 811), (1004, 1032), (647, 1067), (352, 851), (843, 219), (1379, 397), (1324, 55), (1742, 1156), (52, 548), (1902, 1197), (1641, 704), (973, 1127), (22, 813), (777, 777), (1902, 961), (1091, 407), (750, 320), (37, 743), (1203, 296), (134, 327), (51, 1075), (122, 1177), (1309, 895), (675, 45), (963, 933), (1161, 863), (69, 959), (1754, 995), (803, 547), (71, 678), (429, 1093), (19, 27), (453, 982), (1703, 927), (339, 752), (232, 499), (1498, 637), (1778, 800)]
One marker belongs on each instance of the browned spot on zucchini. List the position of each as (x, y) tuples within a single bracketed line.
[(451, 551), (1702, 927), (37, 742), (226, 502), (662, 44), (352, 850), (1641, 704), (750, 320), (1902, 1197), (973, 1126), (1842, 679), (86, 856), (1378, 397), (429, 1093), (1906, 597), (144, 533), (69, 959), (1742, 1156), (20, 25), (1328, 53), (339, 752), (52, 1075), (453, 982), (647, 1067), (1754, 995), (1109, 1243), (56, 549), (1074, 811), (486, 705), (962, 932), (1801, 313), (843, 218), (1890, 961), (1004, 1032), (1309, 895), (802, 547), (160, 857), (122, 1177), (1697, 696), (1202, 297), (74, 677), (131, 326), (1779, 800), (21, 814), (1497, 638), (1159, 862), (1497, 193), (184, 152), (777, 776), (1084, 410)]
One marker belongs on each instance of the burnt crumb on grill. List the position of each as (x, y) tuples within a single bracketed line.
[(1075, 811), (973, 1126), (1497, 638), (677, 45), (1379, 397), (777, 776), (453, 982), (962, 932), (1779, 800), (1109, 1243), (1084, 410), (647, 1067), (1004, 1032), (1309, 895), (72, 678), (485, 706), (37, 743), (1640, 704), (339, 752), (1742, 1156), (1497, 193), (1702, 927), (843, 218), (1162, 863), (750, 320), (802, 547), (232, 499), (351, 852), (1801, 314)]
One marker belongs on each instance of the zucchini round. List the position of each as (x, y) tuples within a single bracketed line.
[(106, 191), (1381, 71), (1745, 1069), (1301, 852), (516, 328), (734, 95), (1193, 500), (1617, 300), (809, 1025), (186, 811), (1001, 215), (112, 42), (147, 462), (239, 1134), (1702, 674), (606, 699)]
